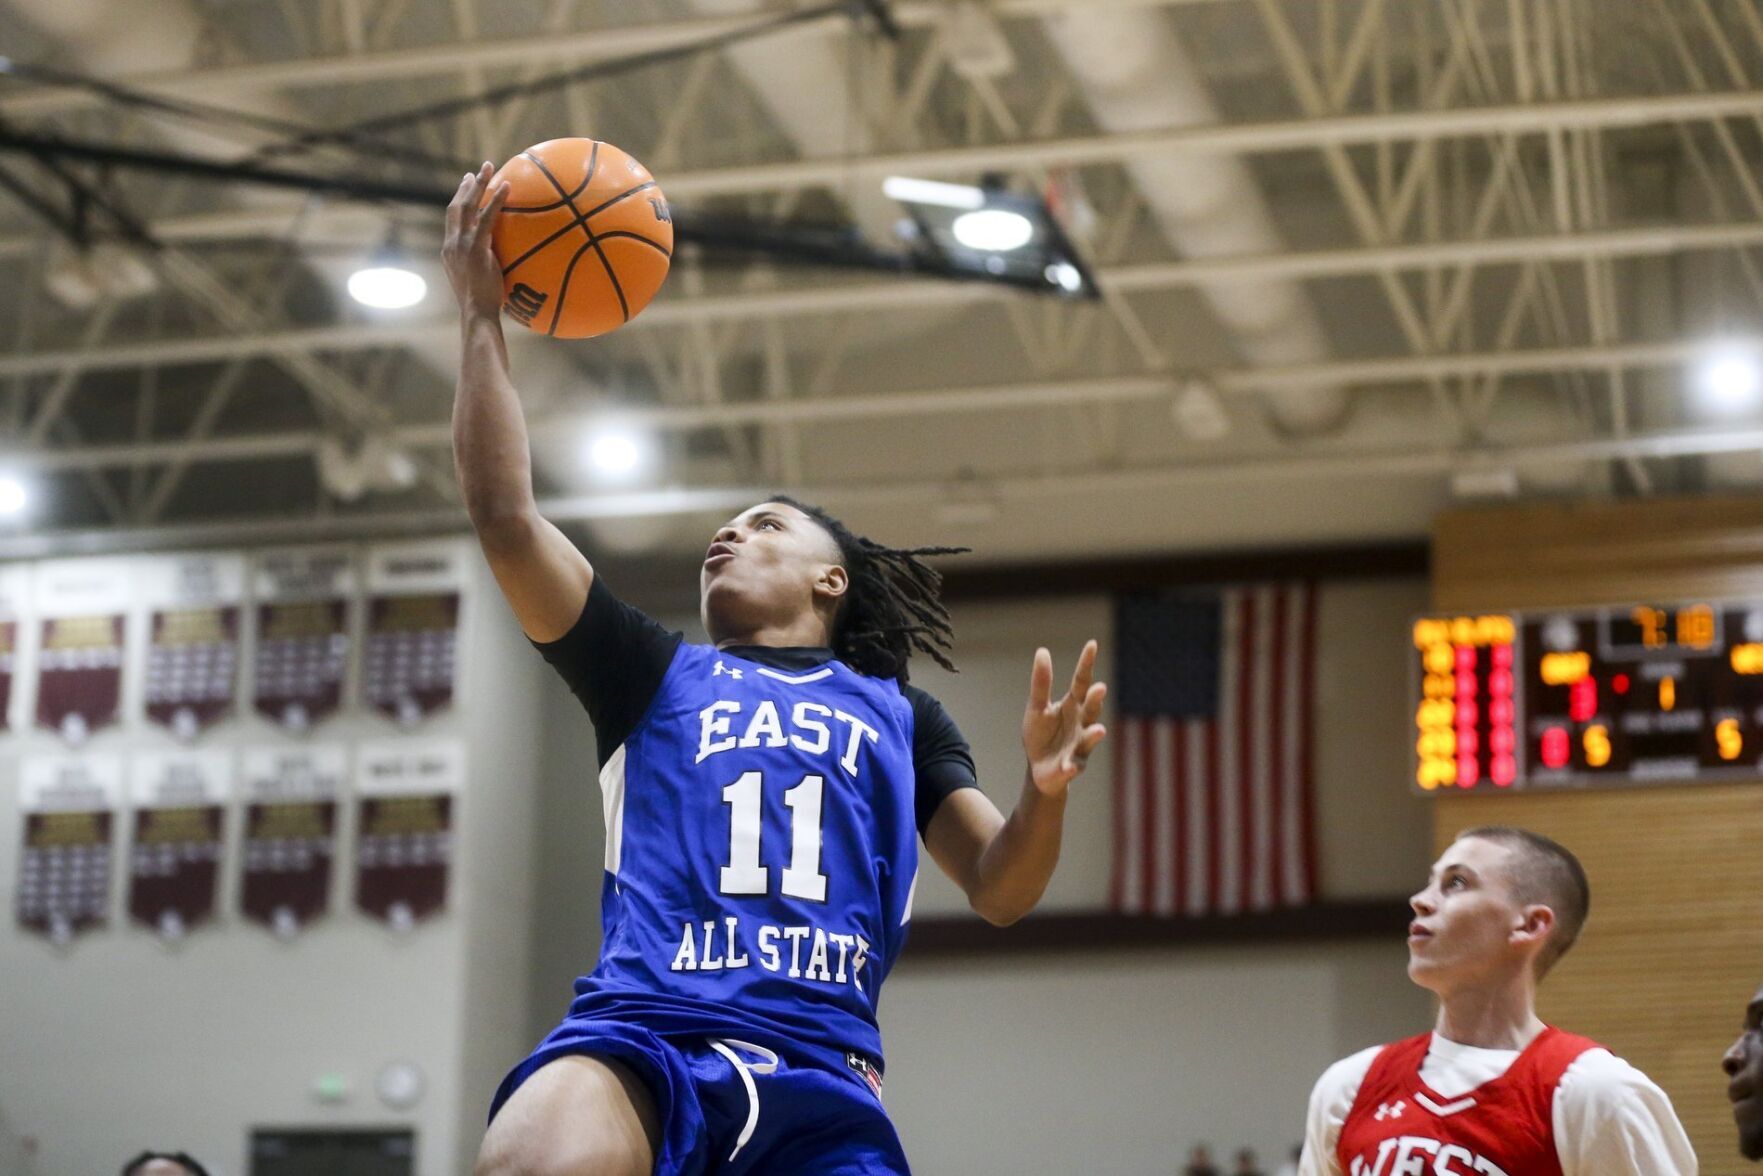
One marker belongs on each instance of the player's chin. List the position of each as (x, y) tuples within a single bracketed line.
[(1750, 1119), (1424, 972), (723, 597), (714, 578)]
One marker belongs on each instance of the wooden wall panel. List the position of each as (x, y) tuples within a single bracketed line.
[(1674, 947)]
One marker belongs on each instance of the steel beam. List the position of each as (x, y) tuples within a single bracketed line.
[(918, 295), (1409, 461), (1052, 394), (1243, 138), (560, 49)]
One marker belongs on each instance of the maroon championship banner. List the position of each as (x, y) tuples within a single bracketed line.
[(302, 634), (404, 838), (302, 653), (193, 603), (192, 663), (410, 662), (408, 666), (68, 810), (179, 829), (83, 605), (290, 800), (8, 660), (15, 600), (79, 675)]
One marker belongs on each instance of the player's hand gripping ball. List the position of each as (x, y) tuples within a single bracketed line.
[(584, 237)]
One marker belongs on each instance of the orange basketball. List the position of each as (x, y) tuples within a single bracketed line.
[(584, 240)]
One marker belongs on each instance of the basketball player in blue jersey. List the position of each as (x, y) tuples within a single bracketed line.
[(764, 796)]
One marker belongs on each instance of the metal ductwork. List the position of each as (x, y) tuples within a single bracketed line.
[(802, 77), (1136, 76), (111, 40), (106, 40)]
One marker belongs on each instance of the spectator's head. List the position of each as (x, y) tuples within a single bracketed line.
[(1743, 1064), (1201, 1155), (1245, 1160), (153, 1163), (1500, 901)]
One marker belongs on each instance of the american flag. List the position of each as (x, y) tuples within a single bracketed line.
[(1213, 806)]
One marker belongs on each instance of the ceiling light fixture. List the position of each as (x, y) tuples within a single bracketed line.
[(388, 281), (1730, 381), (993, 230), (14, 498), (910, 191), (617, 454), (387, 287), (1065, 276), (990, 232)]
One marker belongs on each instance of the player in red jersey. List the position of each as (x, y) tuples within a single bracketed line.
[(1492, 1091)]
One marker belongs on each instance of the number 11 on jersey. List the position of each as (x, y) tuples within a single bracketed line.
[(744, 874)]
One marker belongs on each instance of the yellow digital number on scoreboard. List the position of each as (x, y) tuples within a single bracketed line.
[(1652, 692)]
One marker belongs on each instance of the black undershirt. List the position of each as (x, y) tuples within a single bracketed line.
[(615, 656)]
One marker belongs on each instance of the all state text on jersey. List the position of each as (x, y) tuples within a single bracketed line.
[(799, 952)]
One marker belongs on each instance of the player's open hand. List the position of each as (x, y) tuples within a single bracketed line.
[(1059, 734), (467, 251)]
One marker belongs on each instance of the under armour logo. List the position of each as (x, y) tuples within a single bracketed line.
[(722, 669), (1391, 1110)]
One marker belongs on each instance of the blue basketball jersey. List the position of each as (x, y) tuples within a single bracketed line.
[(761, 854)]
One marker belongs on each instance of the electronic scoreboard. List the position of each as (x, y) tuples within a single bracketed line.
[(1621, 695)]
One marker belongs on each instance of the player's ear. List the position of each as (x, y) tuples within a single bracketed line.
[(833, 581), (1536, 923)]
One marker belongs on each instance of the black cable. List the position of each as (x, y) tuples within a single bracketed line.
[(513, 90), (54, 147), (62, 221), (358, 136), (835, 246), (199, 112)]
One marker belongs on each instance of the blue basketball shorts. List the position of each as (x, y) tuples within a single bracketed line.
[(730, 1107)]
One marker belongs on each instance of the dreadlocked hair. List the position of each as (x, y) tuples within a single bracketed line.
[(893, 605)]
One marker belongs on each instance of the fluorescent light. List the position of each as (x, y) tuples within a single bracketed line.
[(620, 455), (910, 191), (995, 230), (387, 287), (13, 497), (1065, 276), (1730, 381)]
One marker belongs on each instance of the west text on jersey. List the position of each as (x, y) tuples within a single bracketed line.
[(1414, 1155)]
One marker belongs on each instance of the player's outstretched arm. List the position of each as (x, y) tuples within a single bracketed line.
[(543, 575), (1004, 865)]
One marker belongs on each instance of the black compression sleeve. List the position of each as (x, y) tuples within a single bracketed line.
[(940, 756), (613, 660)]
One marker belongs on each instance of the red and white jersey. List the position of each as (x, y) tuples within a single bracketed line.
[(1427, 1106)]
